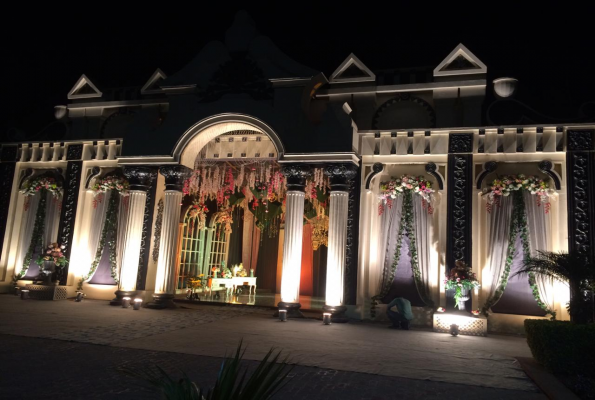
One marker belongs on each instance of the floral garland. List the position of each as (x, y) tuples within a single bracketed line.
[(107, 183), (36, 236), (388, 276), (53, 253), (518, 227), (259, 187), (224, 217), (198, 211), (406, 184), (505, 185), (40, 183), (461, 278), (36, 184), (110, 227)]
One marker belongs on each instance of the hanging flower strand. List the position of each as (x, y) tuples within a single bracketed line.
[(505, 185), (396, 187)]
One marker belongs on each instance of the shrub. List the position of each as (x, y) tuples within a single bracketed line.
[(233, 382), (562, 347)]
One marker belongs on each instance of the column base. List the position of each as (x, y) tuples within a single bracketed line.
[(293, 310), (117, 301), (162, 301), (338, 313)]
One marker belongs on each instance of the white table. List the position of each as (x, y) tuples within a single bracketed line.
[(230, 285)]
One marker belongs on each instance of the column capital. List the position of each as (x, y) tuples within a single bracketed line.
[(296, 175), (139, 178), (340, 175), (175, 175)]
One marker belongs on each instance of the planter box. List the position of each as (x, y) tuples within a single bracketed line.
[(468, 325), (43, 292)]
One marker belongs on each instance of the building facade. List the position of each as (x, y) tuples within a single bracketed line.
[(276, 151)]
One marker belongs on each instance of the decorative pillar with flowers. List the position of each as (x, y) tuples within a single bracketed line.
[(296, 175), (165, 283), (340, 176), (139, 181)]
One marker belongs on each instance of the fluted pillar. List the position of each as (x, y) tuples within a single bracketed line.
[(295, 175), (339, 177), (140, 179), (165, 283)]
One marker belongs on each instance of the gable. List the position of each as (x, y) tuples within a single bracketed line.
[(460, 61), (153, 85), (352, 70), (84, 89)]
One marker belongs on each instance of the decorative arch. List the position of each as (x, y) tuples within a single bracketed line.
[(198, 135), (31, 173), (405, 97)]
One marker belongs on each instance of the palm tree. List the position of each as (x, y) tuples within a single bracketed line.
[(572, 268)]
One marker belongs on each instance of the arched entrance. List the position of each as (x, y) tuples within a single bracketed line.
[(232, 219)]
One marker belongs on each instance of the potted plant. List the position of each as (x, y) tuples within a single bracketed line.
[(50, 257), (461, 279), (194, 282)]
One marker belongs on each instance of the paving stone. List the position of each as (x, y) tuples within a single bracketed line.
[(55, 369)]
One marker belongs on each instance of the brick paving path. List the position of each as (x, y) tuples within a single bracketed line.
[(33, 368), (112, 334)]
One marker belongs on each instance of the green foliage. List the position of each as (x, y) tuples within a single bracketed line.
[(572, 268), (232, 382), (236, 198), (388, 275), (562, 347), (36, 236), (110, 229), (518, 226)]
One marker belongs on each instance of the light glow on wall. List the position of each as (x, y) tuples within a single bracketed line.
[(337, 238), (292, 247), (132, 240)]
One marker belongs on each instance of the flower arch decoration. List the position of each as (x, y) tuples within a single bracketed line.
[(419, 185), (106, 183), (507, 184)]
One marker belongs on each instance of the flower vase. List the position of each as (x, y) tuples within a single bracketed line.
[(464, 297), (215, 274)]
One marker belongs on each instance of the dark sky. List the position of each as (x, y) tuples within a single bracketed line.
[(551, 50)]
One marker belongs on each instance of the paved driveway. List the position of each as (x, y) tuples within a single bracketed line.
[(360, 348)]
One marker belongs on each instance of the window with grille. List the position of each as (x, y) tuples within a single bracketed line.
[(192, 260), (218, 246)]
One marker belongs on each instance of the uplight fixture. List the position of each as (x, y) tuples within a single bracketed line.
[(326, 318), (283, 315), (454, 329), (125, 302)]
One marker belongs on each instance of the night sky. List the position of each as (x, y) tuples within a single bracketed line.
[(550, 50)]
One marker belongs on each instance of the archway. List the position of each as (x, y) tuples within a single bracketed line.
[(233, 211)]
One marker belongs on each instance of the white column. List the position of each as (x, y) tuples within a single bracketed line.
[(337, 238), (132, 240), (165, 282), (292, 247), (130, 236)]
